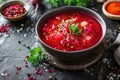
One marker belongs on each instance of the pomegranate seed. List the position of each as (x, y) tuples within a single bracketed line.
[(18, 68), (51, 71), (17, 72), (14, 10)]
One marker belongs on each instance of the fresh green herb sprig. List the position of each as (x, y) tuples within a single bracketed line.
[(74, 29), (69, 2), (56, 3), (1, 0), (83, 3), (35, 56), (60, 28)]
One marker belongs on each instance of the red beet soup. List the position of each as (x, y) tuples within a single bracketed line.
[(71, 31)]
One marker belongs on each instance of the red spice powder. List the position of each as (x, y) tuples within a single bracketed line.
[(113, 8)]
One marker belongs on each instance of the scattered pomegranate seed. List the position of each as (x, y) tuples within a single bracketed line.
[(31, 78), (38, 71), (41, 73), (51, 71), (29, 75), (26, 63), (3, 29), (17, 72), (14, 10), (18, 69), (26, 57)]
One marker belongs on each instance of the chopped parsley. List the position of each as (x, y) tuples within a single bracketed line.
[(57, 3), (1, 0), (74, 29), (36, 55), (60, 28)]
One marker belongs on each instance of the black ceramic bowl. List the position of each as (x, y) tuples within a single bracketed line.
[(70, 55)]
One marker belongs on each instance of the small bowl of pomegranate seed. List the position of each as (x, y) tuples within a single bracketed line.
[(14, 10)]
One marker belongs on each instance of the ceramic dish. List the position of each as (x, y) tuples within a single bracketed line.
[(7, 4), (109, 15), (70, 55)]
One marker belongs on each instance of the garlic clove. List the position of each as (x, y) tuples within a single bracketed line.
[(117, 55)]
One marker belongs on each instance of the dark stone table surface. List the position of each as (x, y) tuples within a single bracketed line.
[(22, 34)]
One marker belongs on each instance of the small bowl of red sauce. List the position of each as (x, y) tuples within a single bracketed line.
[(14, 10), (111, 9), (71, 33)]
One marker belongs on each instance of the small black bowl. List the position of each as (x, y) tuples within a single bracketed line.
[(70, 55)]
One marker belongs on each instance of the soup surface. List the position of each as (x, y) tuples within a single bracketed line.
[(71, 31)]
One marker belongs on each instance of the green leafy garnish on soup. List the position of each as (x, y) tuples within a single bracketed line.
[(74, 29)]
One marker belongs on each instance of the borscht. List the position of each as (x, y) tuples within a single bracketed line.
[(71, 31)]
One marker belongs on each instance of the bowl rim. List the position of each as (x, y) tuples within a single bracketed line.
[(13, 2), (106, 12), (64, 7)]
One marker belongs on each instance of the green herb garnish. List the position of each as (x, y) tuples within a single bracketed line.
[(2, 0), (60, 28), (35, 55), (83, 3), (74, 29), (56, 3), (69, 2)]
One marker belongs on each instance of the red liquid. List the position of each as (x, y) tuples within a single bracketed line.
[(56, 32)]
